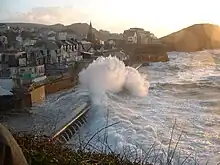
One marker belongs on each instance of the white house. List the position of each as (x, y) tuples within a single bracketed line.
[(143, 37), (62, 36), (19, 39), (29, 42), (132, 38)]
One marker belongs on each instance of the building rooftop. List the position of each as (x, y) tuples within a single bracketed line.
[(137, 29), (52, 35), (48, 44), (129, 33)]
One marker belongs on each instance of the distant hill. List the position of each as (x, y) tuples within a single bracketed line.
[(56, 27), (79, 28), (26, 25), (194, 38)]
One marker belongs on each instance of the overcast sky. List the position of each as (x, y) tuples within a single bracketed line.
[(159, 16)]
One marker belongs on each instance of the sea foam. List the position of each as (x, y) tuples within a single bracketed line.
[(109, 74)]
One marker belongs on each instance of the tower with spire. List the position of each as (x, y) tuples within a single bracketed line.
[(90, 34)]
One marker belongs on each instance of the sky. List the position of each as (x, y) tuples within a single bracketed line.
[(161, 17)]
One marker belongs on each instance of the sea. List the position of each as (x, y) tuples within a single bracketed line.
[(162, 109)]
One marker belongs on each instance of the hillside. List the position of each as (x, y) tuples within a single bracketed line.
[(194, 38), (79, 28), (26, 25)]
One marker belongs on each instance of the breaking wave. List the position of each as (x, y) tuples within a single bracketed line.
[(109, 74)]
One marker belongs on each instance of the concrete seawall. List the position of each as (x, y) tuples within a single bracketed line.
[(65, 133), (59, 85), (139, 53)]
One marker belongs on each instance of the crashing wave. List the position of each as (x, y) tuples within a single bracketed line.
[(109, 74)]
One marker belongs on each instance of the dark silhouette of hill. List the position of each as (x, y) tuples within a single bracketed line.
[(79, 28), (26, 25), (194, 38)]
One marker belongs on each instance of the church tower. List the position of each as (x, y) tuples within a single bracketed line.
[(90, 34)]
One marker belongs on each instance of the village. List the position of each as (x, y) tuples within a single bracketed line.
[(35, 62)]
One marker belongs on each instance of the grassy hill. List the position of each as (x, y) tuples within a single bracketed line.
[(194, 38)]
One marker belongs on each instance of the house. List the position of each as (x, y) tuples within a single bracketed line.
[(110, 44), (29, 42), (62, 36), (69, 50), (86, 45), (29, 69), (50, 48), (131, 37), (143, 37), (16, 30), (72, 35), (51, 32), (19, 39), (27, 75), (9, 60), (51, 37), (4, 28)]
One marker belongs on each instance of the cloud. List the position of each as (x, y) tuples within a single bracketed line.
[(46, 15), (111, 18), (67, 15)]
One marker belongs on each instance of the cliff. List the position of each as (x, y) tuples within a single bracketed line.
[(194, 38)]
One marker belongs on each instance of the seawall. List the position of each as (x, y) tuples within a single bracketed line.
[(59, 85), (141, 53)]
